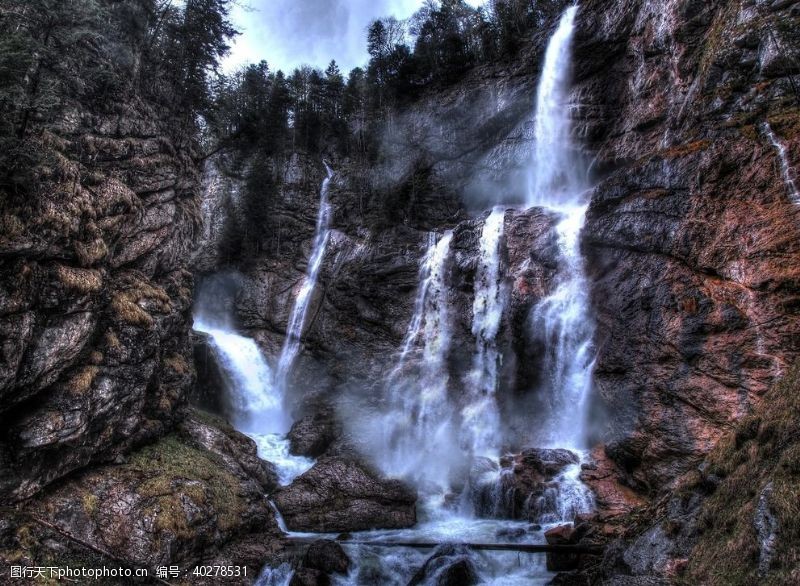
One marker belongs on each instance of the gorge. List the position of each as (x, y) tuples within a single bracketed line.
[(540, 293)]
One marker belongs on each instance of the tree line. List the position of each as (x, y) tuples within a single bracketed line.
[(269, 111), (103, 52)]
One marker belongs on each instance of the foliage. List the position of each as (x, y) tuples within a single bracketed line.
[(56, 53), (754, 476)]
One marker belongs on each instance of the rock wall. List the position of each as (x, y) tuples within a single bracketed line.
[(692, 235), (95, 295)]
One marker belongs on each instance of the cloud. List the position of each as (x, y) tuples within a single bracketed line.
[(289, 33)]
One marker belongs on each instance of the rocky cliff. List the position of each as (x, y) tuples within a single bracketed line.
[(690, 118), (688, 113), (95, 296)]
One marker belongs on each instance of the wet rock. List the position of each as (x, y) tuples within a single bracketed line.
[(522, 487), (237, 451), (311, 436), (326, 556), (172, 502), (511, 533), (341, 494), (208, 392), (612, 498), (450, 565), (309, 577), (562, 535)]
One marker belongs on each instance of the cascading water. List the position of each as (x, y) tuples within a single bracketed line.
[(418, 425), (786, 169), (297, 319), (258, 401), (417, 433), (480, 427), (562, 321), (554, 173)]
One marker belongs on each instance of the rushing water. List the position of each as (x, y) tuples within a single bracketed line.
[(418, 427), (297, 320), (554, 173), (480, 417), (258, 401), (430, 434), (786, 169)]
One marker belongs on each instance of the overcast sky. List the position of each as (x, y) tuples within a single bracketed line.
[(288, 33)]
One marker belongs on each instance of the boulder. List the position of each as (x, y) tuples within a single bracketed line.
[(326, 556), (179, 500), (309, 577), (562, 535), (450, 565), (311, 436), (341, 494), (522, 487)]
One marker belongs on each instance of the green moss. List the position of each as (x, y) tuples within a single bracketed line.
[(90, 502), (174, 470), (764, 449)]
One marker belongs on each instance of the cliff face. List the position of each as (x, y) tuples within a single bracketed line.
[(692, 235), (689, 116), (95, 296)]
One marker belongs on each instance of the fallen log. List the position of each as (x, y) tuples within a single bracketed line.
[(518, 547)]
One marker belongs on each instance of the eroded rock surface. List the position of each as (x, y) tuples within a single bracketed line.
[(95, 296), (172, 502), (339, 494)]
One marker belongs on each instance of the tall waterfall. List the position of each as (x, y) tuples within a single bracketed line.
[(417, 430), (554, 174), (786, 169), (480, 416), (297, 320), (562, 321), (258, 401)]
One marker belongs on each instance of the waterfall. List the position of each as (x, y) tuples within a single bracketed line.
[(786, 170), (480, 416), (417, 432), (562, 320), (258, 401), (297, 320), (554, 173), (430, 306)]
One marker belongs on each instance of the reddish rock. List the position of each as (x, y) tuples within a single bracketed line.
[(612, 498)]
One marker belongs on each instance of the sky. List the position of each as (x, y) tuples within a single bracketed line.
[(289, 33)]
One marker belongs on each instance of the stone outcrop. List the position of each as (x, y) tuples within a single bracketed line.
[(523, 487), (176, 501), (450, 565), (691, 235), (339, 494), (95, 296)]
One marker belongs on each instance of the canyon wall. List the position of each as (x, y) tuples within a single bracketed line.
[(94, 305), (691, 244)]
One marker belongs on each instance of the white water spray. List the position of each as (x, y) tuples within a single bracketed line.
[(554, 174), (562, 321), (786, 169), (417, 431), (480, 416), (258, 401), (297, 320)]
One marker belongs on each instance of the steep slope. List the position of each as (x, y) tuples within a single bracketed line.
[(95, 294), (692, 234)]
